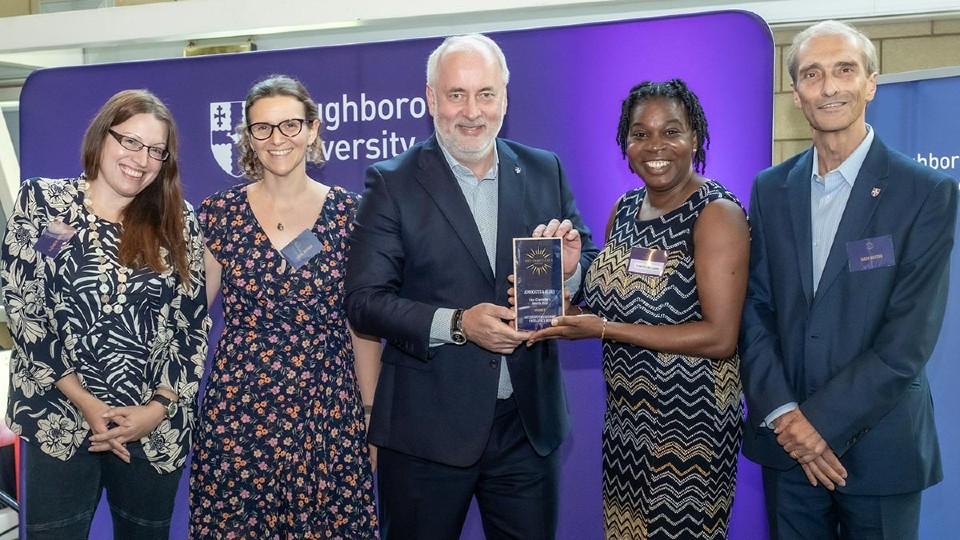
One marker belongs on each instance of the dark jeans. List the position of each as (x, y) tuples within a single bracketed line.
[(62, 496)]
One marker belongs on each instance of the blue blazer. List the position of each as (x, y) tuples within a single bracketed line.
[(853, 354), (415, 247)]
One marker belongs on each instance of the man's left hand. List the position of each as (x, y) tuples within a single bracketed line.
[(825, 470), (571, 242)]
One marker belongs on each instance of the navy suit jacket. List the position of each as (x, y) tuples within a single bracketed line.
[(415, 247), (853, 354)]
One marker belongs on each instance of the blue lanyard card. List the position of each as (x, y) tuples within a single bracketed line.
[(303, 248), (870, 253)]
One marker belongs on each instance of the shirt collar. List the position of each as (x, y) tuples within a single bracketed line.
[(462, 171), (850, 167)]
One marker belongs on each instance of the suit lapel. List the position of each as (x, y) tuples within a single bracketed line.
[(439, 182), (510, 194), (864, 198), (798, 201)]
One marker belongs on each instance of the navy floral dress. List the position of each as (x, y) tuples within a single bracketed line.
[(281, 446)]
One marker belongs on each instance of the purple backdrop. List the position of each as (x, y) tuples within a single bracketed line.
[(564, 95)]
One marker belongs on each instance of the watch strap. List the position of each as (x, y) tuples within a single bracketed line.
[(169, 405), (162, 399)]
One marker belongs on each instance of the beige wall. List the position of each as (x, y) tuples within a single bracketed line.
[(14, 8), (903, 46)]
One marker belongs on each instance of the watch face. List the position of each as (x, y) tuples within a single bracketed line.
[(459, 338), (168, 404)]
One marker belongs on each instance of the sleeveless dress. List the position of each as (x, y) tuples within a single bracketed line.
[(281, 446), (672, 426)]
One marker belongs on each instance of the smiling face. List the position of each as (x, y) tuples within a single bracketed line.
[(660, 144), (833, 86), (123, 173), (468, 102), (281, 155)]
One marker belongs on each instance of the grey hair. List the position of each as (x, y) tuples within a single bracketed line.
[(466, 42), (871, 60)]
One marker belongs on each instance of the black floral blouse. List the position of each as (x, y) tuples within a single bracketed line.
[(63, 322)]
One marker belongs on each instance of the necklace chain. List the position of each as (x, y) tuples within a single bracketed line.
[(111, 303), (274, 202)]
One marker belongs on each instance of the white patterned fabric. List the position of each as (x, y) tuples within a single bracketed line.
[(156, 338)]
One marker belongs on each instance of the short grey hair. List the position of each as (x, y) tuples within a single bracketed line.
[(466, 42), (871, 60)]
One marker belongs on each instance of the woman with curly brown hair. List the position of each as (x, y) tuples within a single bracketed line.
[(281, 450)]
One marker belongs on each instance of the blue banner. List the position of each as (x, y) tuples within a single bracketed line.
[(921, 118)]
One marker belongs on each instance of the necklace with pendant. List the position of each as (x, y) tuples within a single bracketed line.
[(105, 265), (275, 212)]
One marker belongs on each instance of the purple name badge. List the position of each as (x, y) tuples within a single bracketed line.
[(53, 238), (870, 253), (303, 248)]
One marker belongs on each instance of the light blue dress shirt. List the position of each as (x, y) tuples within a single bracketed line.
[(828, 199), (483, 199)]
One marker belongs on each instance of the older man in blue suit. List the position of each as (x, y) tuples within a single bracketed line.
[(461, 410), (848, 282)]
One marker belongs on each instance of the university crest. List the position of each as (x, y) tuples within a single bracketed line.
[(224, 117)]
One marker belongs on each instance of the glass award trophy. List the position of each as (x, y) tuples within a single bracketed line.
[(538, 281)]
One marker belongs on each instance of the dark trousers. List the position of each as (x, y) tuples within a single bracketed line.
[(62, 496), (516, 489), (797, 510)]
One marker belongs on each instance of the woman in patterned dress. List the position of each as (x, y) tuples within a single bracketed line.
[(665, 297), (281, 448), (103, 284)]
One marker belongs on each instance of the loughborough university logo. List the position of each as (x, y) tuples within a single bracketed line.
[(224, 116)]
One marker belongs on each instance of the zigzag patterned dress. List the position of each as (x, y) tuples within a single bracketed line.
[(672, 427)]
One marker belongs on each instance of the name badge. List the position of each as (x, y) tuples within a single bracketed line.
[(647, 261), (870, 253), (303, 248), (53, 238)]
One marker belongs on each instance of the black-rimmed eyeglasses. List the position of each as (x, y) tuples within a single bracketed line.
[(262, 131), (156, 152)]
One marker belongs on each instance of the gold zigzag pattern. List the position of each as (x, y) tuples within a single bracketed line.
[(673, 425)]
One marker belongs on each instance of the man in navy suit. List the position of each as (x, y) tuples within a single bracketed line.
[(849, 263), (461, 409)]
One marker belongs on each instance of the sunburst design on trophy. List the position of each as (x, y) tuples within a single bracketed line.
[(538, 260)]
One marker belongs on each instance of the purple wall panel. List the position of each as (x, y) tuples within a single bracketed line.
[(564, 95)]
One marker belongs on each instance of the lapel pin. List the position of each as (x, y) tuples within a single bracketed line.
[(874, 192), (516, 170)]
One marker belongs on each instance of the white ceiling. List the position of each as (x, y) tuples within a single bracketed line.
[(163, 29)]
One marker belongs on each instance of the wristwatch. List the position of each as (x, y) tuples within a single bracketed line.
[(170, 406), (456, 328)]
